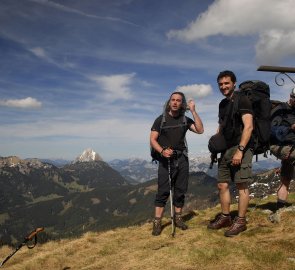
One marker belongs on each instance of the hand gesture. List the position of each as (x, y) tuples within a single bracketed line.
[(191, 104)]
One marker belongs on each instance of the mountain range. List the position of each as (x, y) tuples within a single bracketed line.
[(90, 195), (78, 197), (136, 170), (139, 170)]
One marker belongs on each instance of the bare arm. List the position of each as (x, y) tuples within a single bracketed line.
[(197, 127), (154, 143), (246, 135), (248, 128)]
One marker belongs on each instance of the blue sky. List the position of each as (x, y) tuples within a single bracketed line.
[(95, 74)]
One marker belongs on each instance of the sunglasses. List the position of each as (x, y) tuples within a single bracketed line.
[(292, 96)]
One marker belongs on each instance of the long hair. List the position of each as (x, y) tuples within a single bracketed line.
[(183, 104)]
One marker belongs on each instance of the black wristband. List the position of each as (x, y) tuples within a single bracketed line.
[(241, 148)]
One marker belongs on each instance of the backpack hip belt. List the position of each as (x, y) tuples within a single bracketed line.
[(176, 155)]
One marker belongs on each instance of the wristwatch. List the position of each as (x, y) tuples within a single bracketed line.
[(241, 148)]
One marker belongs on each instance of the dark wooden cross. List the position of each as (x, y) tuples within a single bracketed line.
[(281, 70)]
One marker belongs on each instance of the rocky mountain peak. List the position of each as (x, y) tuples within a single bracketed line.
[(14, 161), (87, 156), (24, 166), (10, 161)]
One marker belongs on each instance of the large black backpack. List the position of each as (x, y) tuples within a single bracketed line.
[(259, 95)]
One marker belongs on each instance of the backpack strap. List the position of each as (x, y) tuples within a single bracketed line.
[(236, 101), (234, 108), (163, 121), (185, 152)]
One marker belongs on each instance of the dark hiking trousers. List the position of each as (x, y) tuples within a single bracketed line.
[(179, 175)]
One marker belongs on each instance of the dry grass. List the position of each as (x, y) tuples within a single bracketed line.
[(264, 245)]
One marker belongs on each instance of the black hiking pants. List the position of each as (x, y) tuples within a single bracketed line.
[(179, 174)]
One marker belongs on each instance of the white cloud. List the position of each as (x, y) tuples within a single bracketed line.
[(195, 90), (116, 86), (22, 103), (39, 52), (42, 54), (274, 45), (105, 130), (273, 21), (76, 11), (111, 138)]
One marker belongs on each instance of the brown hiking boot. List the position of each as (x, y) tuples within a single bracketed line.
[(221, 221), (239, 225), (157, 226), (179, 223)]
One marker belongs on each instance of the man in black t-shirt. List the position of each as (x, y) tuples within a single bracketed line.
[(235, 164), (169, 142)]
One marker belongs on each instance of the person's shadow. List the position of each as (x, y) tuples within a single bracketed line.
[(268, 206)]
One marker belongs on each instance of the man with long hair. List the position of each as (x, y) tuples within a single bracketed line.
[(169, 141)]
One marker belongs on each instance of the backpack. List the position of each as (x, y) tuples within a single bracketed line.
[(259, 95), (282, 119), (282, 138), (283, 152), (156, 156)]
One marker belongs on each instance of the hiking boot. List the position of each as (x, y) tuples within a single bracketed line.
[(239, 225), (221, 221), (179, 223), (157, 226)]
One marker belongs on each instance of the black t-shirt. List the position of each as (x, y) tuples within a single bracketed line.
[(173, 131), (234, 125)]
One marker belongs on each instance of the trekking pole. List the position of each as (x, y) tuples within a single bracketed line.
[(28, 238), (171, 200)]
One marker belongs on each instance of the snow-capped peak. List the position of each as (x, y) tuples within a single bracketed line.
[(88, 155)]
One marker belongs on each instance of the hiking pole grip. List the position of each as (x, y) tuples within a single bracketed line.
[(33, 233), (27, 238)]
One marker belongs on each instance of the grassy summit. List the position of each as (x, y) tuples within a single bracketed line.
[(264, 245)]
